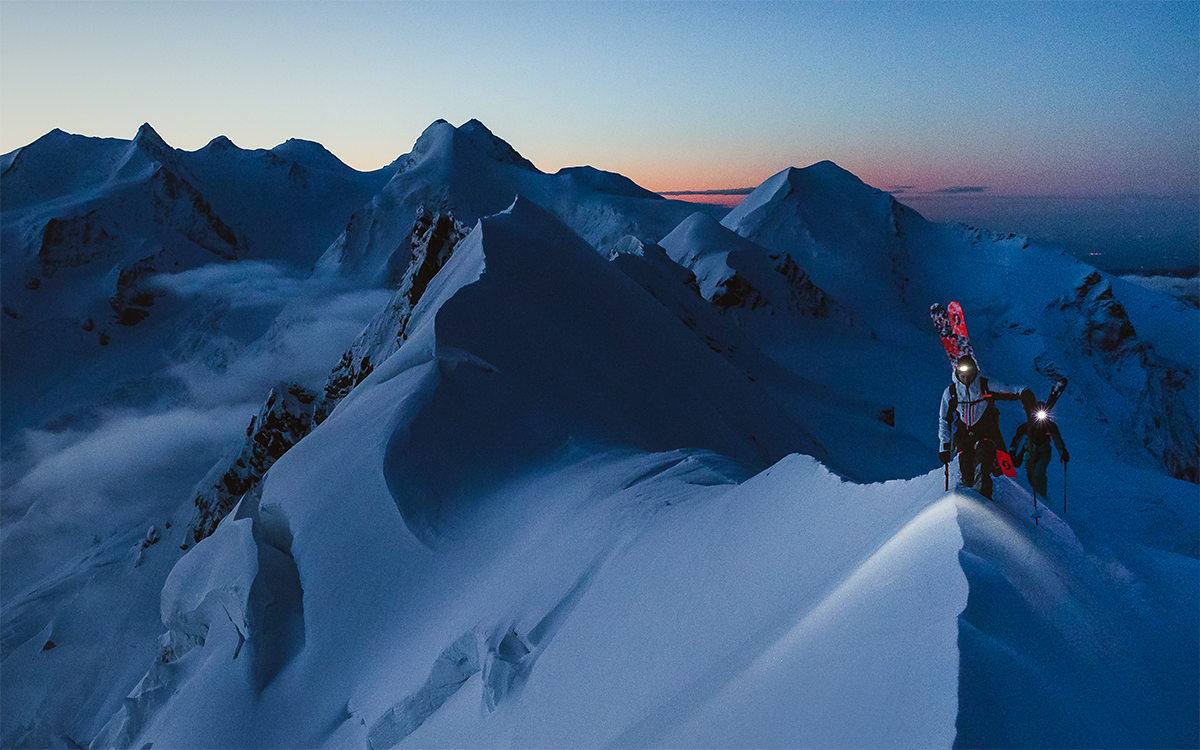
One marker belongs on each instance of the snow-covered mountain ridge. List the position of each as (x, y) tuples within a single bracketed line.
[(462, 453)]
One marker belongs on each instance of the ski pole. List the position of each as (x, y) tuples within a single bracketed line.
[(1032, 485), (947, 468), (1064, 463)]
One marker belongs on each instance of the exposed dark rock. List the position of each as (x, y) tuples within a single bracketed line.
[(736, 291), (132, 301), (804, 296), (430, 244), (1108, 326), (181, 206), (1155, 389), (73, 242), (285, 418)]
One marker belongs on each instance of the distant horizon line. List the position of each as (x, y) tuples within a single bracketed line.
[(958, 192)]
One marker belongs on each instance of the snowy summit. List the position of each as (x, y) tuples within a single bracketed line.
[(460, 453)]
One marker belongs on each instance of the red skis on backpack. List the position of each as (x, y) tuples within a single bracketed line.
[(952, 327)]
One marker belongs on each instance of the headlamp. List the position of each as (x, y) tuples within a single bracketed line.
[(1041, 415)]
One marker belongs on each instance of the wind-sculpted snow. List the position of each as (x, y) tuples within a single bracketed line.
[(458, 512), (605, 598), (1037, 629), (588, 355), (431, 243)]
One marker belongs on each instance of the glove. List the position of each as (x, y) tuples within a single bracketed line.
[(1065, 457), (944, 457)]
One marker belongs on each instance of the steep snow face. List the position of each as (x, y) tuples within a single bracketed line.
[(486, 143), (1043, 660), (552, 343), (735, 273), (612, 598)]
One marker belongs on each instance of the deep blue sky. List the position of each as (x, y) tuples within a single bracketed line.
[(1060, 98)]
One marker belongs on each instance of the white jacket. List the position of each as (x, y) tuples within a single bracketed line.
[(972, 401)]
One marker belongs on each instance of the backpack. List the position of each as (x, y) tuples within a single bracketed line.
[(988, 424)]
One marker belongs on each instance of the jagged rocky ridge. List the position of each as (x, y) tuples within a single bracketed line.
[(291, 412), (285, 418), (430, 244)]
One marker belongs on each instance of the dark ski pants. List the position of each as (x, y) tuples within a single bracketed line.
[(1039, 473), (975, 462)]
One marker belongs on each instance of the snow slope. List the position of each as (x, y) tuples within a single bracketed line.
[(601, 471), (496, 568)]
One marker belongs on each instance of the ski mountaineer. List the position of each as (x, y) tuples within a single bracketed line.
[(969, 422), (1038, 447)]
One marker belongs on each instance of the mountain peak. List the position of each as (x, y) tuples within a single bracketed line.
[(147, 133), (151, 143), (823, 182), (221, 143), (488, 143), (311, 154), (825, 172), (442, 142), (606, 182)]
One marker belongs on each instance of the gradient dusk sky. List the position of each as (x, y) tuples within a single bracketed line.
[(1046, 98)]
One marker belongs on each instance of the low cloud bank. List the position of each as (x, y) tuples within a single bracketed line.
[(67, 490), (86, 487), (961, 189)]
